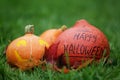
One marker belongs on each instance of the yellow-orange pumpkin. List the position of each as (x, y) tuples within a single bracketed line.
[(25, 52), (51, 35)]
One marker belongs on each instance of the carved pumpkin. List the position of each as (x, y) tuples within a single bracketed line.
[(25, 52)]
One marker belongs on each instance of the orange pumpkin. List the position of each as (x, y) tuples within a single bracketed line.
[(25, 52), (50, 35)]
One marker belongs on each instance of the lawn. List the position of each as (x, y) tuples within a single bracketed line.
[(47, 14)]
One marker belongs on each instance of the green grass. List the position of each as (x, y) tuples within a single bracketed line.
[(46, 14)]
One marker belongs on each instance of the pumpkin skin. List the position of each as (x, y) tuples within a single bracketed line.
[(25, 52), (51, 35), (81, 43)]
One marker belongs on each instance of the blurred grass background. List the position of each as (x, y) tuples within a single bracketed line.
[(47, 14)]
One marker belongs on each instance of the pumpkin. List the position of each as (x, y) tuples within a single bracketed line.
[(78, 45), (51, 35), (26, 51)]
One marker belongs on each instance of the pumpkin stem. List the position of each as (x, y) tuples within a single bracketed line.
[(63, 28), (29, 29)]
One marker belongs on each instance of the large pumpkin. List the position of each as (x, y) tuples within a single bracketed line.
[(80, 43), (25, 52)]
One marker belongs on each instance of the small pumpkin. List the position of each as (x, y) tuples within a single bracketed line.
[(26, 51), (51, 35)]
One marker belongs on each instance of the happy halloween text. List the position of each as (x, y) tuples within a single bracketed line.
[(82, 48)]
